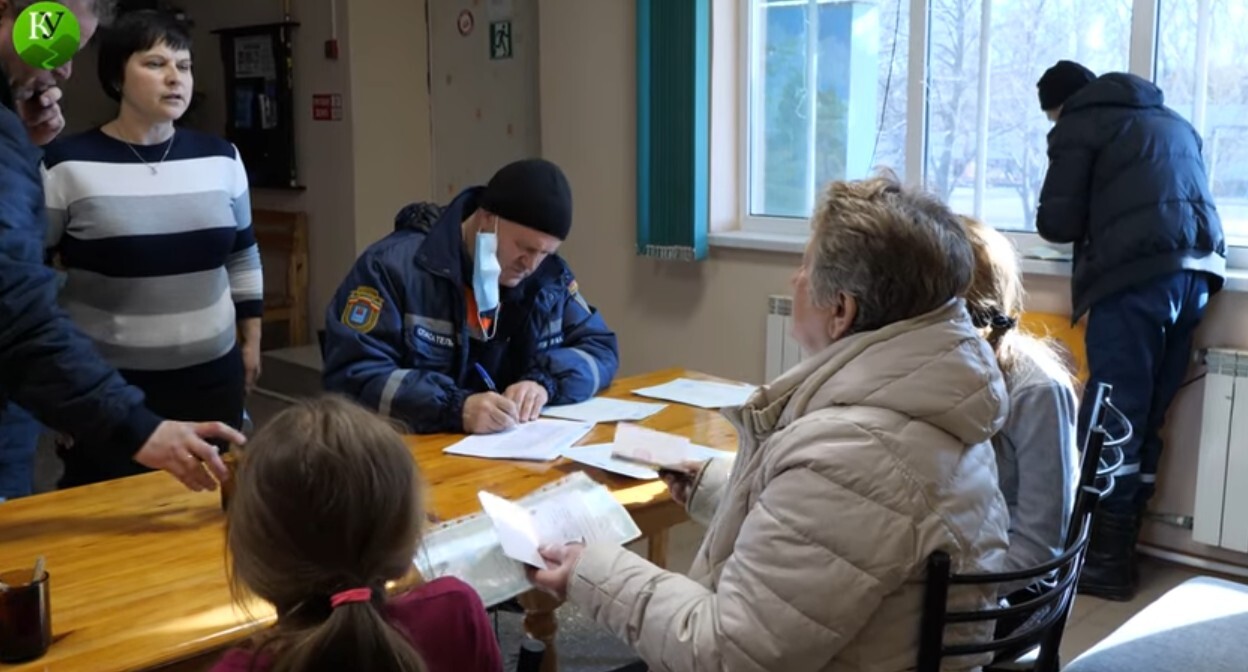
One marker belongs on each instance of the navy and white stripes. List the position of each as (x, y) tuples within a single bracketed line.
[(160, 266)]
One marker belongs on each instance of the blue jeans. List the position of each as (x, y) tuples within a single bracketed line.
[(1140, 341), (19, 437)]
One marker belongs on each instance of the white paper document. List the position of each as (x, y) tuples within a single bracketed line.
[(702, 393), (472, 549), (587, 514), (541, 440), (602, 409), (515, 527), (599, 455), (650, 447)]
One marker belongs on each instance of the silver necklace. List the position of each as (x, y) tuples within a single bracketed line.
[(168, 146)]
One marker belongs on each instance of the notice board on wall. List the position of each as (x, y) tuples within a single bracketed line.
[(259, 101)]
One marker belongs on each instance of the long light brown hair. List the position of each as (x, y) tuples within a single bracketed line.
[(327, 499), (995, 302)]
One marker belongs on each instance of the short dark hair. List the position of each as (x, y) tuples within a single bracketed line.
[(134, 32)]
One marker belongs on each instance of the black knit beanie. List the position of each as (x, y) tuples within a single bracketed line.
[(1060, 82), (533, 193)]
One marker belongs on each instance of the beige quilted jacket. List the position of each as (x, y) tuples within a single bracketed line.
[(852, 468)]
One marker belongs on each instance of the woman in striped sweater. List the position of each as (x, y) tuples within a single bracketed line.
[(153, 226)]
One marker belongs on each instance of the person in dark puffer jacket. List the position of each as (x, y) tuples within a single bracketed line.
[(1127, 186), (409, 334)]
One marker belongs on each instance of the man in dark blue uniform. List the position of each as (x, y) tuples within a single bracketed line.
[(474, 324), (1127, 186)]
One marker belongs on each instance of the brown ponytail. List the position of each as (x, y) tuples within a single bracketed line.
[(995, 302), (327, 499), (353, 637)]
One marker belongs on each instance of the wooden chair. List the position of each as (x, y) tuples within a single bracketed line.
[(283, 240), (1034, 645), (1058, 328)]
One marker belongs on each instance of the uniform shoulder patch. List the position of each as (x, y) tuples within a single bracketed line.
[(362, 309), (575, 293)]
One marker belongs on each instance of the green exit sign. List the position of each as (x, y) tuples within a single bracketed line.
[(500, 40)]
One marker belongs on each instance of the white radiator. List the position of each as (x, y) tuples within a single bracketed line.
[(783, 352), (1221, 512)]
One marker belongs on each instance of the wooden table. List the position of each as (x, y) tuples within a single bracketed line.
[(137, 565)]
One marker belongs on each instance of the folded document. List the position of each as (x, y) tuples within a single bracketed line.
[(485, 549)]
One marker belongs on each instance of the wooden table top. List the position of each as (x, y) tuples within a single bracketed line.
[(137, 565)]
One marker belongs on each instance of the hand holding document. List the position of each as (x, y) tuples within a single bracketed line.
[(541, 440), (586, 514), (704, 394), (602, 409), (471, 549)]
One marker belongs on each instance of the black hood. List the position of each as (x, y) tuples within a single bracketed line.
[(1117, 89)]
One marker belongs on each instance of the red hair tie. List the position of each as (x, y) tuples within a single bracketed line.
[(349, 596)]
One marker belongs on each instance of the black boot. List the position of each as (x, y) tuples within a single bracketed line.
[(1109, 567)]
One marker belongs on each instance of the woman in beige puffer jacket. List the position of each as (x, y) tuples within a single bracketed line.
[(852, 469)]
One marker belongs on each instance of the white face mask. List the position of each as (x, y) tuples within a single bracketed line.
[(485, 272)]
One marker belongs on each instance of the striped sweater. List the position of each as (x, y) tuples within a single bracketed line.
[(159, 266)]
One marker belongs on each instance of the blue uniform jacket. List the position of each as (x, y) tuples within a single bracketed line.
[(46, 365), (397, 336)]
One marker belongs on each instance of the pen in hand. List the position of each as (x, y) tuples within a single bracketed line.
[(501, 405), (485, 377)]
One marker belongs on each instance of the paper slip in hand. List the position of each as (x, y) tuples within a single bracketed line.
[(515, 527), (585, 511), (651, 448), (599, 456), (541, 440), (601, 409), (701, 393)]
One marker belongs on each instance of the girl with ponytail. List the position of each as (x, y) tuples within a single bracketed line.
[(327, 509), (1037, 448)]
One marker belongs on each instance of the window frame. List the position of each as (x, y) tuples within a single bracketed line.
[(1142, 61)]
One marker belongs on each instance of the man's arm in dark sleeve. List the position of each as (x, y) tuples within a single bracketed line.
[(1062, 216), (46, 365), (364, 344), (585, 362)]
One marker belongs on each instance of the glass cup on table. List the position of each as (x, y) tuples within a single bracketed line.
[(25, 615)]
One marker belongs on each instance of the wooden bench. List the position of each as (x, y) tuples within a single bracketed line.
[(283, 240)]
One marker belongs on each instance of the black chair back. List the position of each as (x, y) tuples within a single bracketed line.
[(1042, 628)]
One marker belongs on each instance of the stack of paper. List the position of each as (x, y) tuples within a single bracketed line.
[(541, 440), (482, 549), (700, 393), (602, 409), (645, 449)]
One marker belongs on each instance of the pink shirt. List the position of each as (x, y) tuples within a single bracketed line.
[(445, 621)]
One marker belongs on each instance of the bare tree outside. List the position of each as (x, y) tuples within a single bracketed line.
[(1025, 37)]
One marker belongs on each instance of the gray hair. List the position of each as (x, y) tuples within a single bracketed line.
[(899, 252)]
